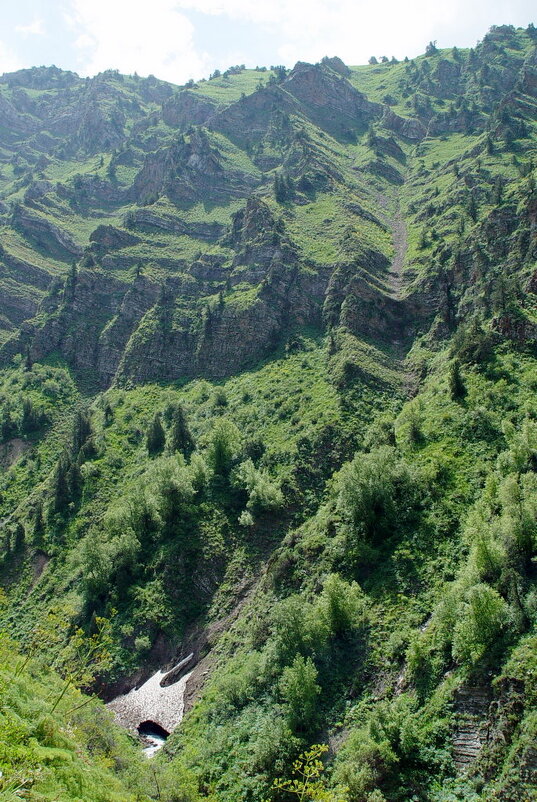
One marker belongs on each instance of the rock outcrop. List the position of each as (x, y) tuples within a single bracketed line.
[(147, 218), (45, 234), (330, 100), (473, 727), (187, 108)]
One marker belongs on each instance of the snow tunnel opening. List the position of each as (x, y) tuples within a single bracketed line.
[(153, 730)]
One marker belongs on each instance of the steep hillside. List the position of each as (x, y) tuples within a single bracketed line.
[(268, 351)]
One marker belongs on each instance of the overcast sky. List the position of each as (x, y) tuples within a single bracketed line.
[(181, 39)]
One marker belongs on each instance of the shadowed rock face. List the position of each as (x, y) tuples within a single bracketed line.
[(17, 124), (109, 238), (411, 129), (317, 92), (148, 219), (249, 119)]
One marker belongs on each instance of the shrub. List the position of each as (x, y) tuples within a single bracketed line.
[(105, 553), (376, 493), (263, 493), (299, 690), (224, 446), (472, 344), (297, 629), (481, 621), (363, 763), (170, 484), (341, 605), (307, 782)]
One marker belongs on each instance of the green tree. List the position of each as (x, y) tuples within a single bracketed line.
[(38, 525), (497, 190), (457, 388), (155, 437), (263, 493), (32, 419), (376, 493), (82, 446), (170, 485), (70, 284), (179, 437), (85, 656), (471, 206), (224, 446), (341, 605), (284, 187), (61, 484)]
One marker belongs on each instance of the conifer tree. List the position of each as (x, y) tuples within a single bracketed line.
[(156, 437), (39, 525), (60, 484), (70, 283), (457, 387), (179, 438)]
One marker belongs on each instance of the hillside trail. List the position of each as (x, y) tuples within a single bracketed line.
[(395, 282), (400, 244), (397, 226)]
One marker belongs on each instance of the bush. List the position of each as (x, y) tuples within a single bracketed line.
[(299, 690), (472, 344), (105, 553), (297, 629), (170, 485), (363, 763), (481, 621), (376, 494), (224, 446), (341, 605), (263, 493)]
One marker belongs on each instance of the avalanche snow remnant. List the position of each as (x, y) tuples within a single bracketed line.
[(153, 701)]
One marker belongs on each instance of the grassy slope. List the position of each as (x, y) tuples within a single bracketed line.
[(73, 752)]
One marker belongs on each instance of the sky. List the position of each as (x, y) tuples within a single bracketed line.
[(181, 39)]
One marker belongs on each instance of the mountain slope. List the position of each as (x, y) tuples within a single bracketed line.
[(268, 348)]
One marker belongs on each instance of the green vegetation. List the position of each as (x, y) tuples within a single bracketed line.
[(267, 395), (57, 744)]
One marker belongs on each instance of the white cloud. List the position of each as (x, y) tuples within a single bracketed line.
[(159, 37), (356, 29), (134, 37), (309, 29), (8, 60), (35, 28)]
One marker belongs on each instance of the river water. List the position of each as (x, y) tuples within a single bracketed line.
[(154, 743)]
